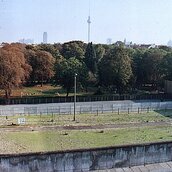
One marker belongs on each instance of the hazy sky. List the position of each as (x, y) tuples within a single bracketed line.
[(139, 21)]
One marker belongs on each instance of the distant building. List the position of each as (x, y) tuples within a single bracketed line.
[(152, 46), (169, 43), (45, 37), (26, 41), (109, 41)]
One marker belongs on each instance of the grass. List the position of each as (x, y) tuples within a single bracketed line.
[(35, 141), (90, 119), (45, 90), (51, 139)]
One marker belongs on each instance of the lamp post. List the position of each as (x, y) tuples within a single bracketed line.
[(74, 96)]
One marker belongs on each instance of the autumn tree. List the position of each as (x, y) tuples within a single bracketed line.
[(42, 64), (14, 69)]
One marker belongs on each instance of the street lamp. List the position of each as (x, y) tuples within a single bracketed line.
[(74, 96)]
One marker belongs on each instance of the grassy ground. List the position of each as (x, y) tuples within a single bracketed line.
[(36, 141), (14, 139), (45, 90), (91, 119)]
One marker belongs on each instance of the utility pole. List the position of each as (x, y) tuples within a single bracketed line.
[(74, 96)]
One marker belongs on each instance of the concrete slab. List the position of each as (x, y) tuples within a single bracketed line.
[(143, 169), (164, 165), (127, 169), (169, 164), (119, 170), (135, 169), (159, 167)]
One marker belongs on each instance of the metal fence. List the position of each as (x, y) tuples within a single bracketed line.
[(92, 98), (84, 108)]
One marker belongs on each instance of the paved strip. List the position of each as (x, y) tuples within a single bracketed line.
[(159, 167)]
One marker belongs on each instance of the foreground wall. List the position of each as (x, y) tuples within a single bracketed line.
[(86, 160)]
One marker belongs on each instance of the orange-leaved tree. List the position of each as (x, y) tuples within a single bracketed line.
[(42, 64), (14, 69)]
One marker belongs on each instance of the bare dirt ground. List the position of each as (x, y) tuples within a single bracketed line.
[(80, 127)]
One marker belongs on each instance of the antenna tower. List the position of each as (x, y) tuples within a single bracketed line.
[(89, 23)]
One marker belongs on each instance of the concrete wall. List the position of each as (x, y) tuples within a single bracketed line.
[(86, 160)]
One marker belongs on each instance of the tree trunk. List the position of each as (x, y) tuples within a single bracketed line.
[(67, 92), (41, 81), (7, 95)]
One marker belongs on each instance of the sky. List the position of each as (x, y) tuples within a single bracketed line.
[(139, 21)]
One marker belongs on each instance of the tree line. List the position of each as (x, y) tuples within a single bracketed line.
[(110, 68)]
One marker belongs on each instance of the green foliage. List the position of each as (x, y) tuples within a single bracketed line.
[(65, 71), (99, 51), (150, 65), (90, 58), (166, 66), (115, 68), (73, 49)]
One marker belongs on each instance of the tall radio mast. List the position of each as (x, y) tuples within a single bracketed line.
[(89, 23)]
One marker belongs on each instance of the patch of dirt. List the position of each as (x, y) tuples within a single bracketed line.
[(80, 127)]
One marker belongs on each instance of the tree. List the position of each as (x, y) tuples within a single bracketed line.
[(90, 59), (166, 67), (50, 49), (115, 68), (14, 69), (42, 64), (137, 67), (99, 51), (73, 49), (150, 65), (65, 71)]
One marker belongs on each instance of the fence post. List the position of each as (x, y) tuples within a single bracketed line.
[(80, 110), (40, 115), (148, 110), (52, 117), (59, 110), (138, 110), (118, 111), (102, 108), (112, 108), (165, 108), (47, 110), (97, 112), (128, 110)]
